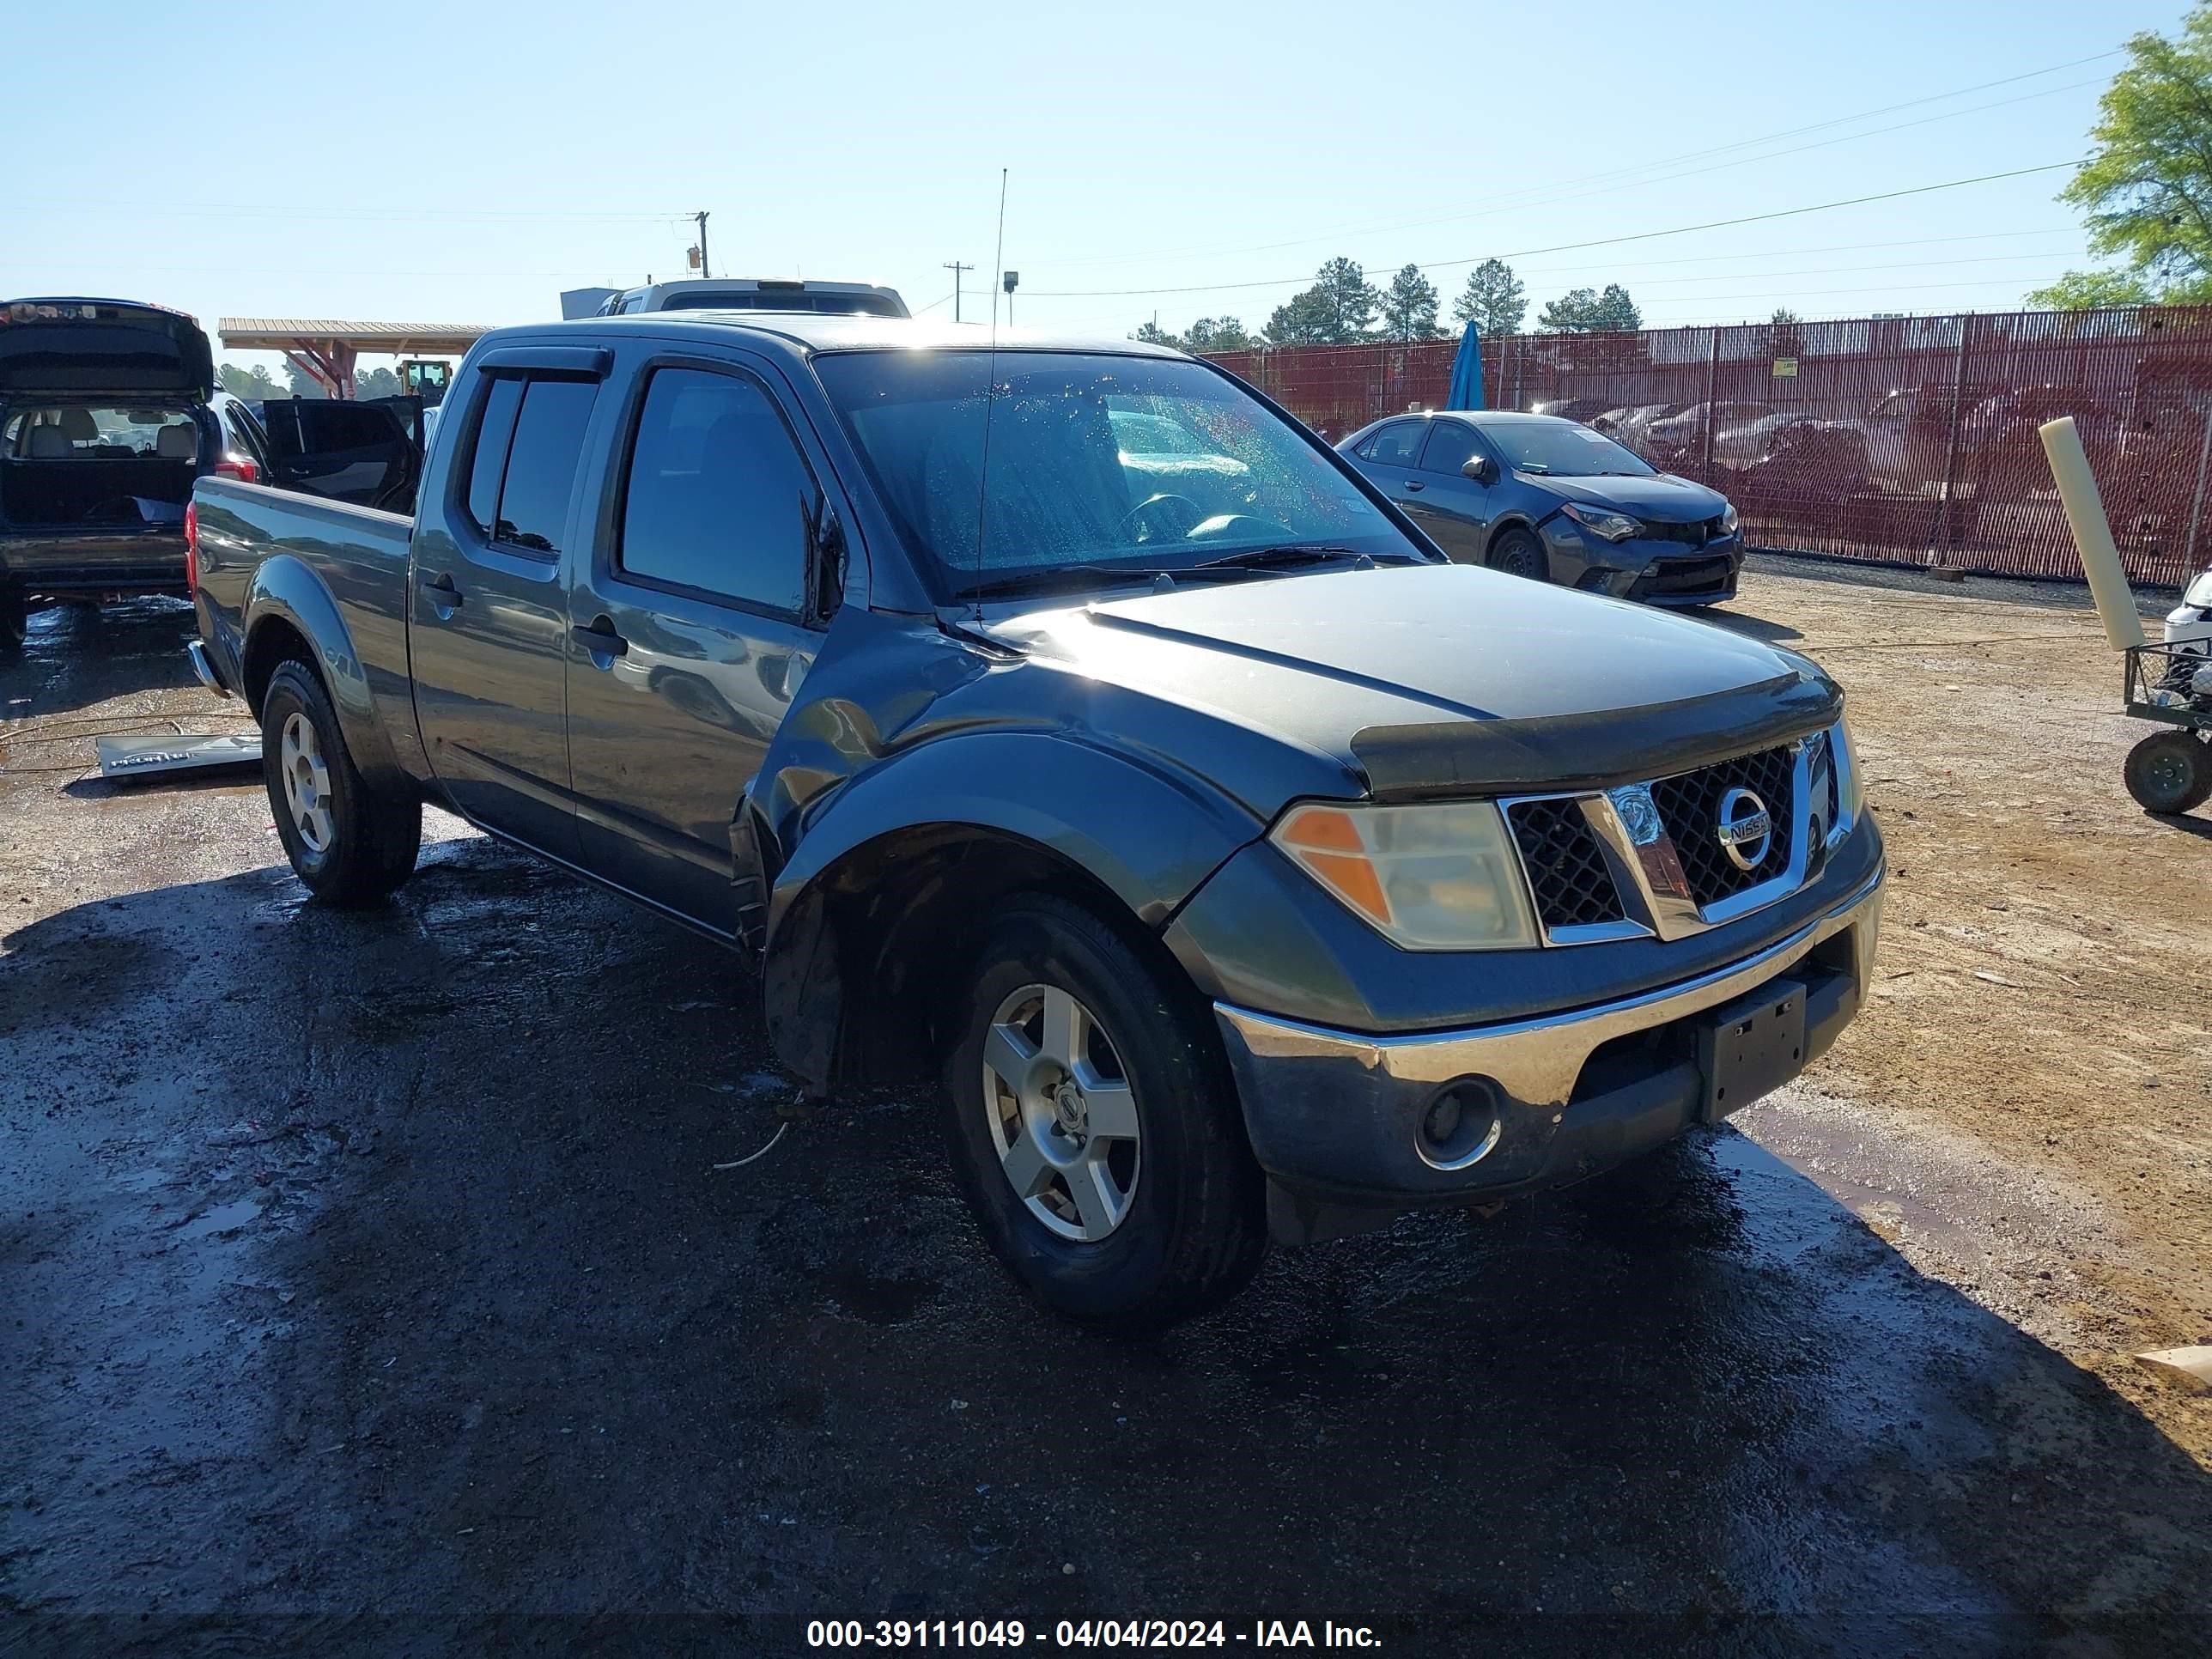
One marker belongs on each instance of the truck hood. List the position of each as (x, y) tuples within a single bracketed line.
[(1443, 679), (102, 348), (1662, 499)]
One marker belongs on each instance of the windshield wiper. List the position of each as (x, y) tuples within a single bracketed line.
[(1045, 578), (1289, 554)]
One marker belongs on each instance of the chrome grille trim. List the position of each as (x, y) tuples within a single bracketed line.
[(1653, 894)]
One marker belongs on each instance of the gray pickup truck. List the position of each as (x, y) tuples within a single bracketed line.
[(1064, 723)]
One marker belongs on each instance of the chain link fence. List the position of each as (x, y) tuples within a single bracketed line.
[(1905, 439)]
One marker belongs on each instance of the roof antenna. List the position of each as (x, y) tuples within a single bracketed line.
[(990, 395)]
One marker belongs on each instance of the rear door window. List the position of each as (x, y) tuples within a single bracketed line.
[(1397, 444), (529, 443)]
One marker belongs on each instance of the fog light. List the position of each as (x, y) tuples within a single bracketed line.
[(1442, 1120), (1461, 1127)]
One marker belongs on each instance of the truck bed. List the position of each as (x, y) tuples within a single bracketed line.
[(253, 537)]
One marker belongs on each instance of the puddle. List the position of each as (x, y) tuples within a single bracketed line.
[(223, 1219), (1920, 1191)]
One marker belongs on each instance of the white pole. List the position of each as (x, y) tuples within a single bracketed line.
[(2092, 535)]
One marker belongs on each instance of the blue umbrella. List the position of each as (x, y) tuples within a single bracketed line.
[(1467, 374)]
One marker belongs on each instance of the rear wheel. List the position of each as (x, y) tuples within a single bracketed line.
[(1094, 1128), (1517, 553), (2170, 772), (15, 618), (349, 842)]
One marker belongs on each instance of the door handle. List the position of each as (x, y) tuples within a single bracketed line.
[(440, 587), (600, 638), (1413, 489)]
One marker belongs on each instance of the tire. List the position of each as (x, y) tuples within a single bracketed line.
[(14, 619), (350, 842), (2170, 772), (1517, 553), (1191, 1227)]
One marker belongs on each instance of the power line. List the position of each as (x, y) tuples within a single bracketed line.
[(1550, 191), (1570, 247)]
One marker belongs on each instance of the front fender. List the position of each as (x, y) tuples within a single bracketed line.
[(1150, 834), (283, 589)]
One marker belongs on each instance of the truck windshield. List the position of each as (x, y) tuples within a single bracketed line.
[(1103, 462)]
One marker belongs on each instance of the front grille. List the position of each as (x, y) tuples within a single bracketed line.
[(1690, 806), (1566, 870), (1669, 576), (1696, 534)]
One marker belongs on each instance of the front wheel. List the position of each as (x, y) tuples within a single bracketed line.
[(349, 842), (1094, 1127), (1517, 553), (2170, 772)]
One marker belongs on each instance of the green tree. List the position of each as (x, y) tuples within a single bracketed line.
[(377, 383), (2147, 187), (304, 385), (1153, 334), (1616, 313), (2089, 290), (1409, 306), (1586, 311), (1494, 299), (1337, 310), (1218, 334), (254, 384)]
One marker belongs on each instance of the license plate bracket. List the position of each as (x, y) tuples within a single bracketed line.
[(1751, 1047)]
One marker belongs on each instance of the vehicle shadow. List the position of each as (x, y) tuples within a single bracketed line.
[(382, 1259), (1740, 622), (76, 655)]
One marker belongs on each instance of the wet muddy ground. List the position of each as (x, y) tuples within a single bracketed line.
[(367, 1284)]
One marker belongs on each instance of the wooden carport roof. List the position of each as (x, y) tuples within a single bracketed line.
[(326, 347)]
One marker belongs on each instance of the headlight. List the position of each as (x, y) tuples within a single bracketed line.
[(1429, 877), (1850, 787), (1728, 520), (1602, 521)]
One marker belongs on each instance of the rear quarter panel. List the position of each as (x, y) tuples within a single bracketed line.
[(336, 573)]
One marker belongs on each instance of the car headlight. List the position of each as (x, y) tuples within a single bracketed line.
[(1850, 787), (1602, 521), (1728, 520), (1439, 877)]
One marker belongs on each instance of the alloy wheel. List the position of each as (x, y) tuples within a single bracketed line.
[(306, 782), (1061, 1113)]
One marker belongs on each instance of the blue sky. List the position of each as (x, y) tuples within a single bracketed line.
[(465, 163)]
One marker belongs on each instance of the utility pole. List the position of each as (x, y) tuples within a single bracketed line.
[(705, 270), (955, 268)]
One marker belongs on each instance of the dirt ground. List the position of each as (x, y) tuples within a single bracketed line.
[(368, 1283), (2045, 991)]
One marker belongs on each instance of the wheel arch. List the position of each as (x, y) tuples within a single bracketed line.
[(898, 875), (290, 616)]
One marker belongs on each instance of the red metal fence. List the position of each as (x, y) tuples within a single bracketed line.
[(1897, 438)]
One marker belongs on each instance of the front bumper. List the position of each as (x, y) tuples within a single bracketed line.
[(1336, 1118), (1652, 570)]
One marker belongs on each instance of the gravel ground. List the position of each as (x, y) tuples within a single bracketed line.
[(367, 1284)]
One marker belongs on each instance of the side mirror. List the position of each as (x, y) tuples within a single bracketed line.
[(1480, 468)]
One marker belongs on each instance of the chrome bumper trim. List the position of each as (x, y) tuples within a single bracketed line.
[(1537, 1061), (196, 650)]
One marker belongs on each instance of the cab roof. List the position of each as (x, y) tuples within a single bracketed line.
[(814, 331)]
